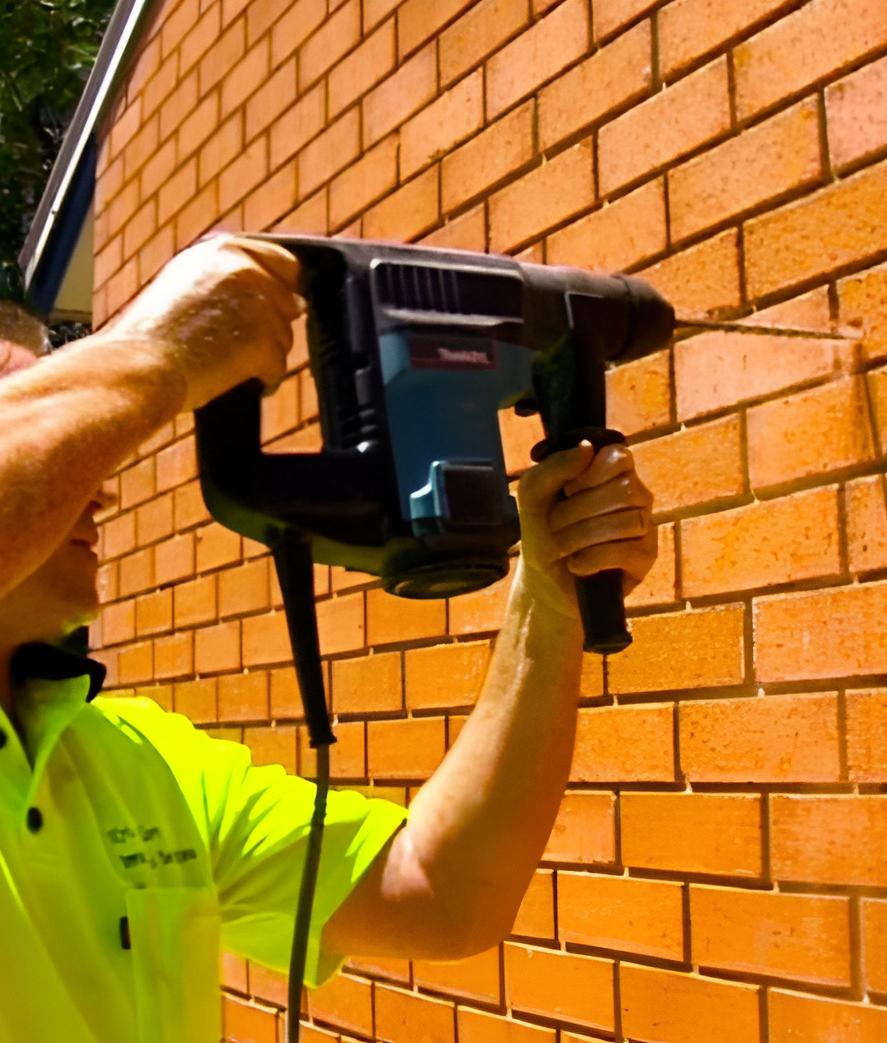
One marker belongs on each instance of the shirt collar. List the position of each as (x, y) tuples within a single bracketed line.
[(39, 661)]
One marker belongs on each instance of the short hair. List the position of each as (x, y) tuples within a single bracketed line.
[(18, 326)]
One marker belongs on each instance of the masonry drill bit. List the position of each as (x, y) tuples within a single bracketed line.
[(769, 331)]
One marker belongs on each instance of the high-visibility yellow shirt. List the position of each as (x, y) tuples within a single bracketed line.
[(133, 848)]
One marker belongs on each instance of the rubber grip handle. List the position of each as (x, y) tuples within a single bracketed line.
[(602, 609)]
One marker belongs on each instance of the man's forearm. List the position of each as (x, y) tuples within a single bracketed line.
[(480, 824), (67, 423)]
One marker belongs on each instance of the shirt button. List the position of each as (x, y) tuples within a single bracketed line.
[(35, 819)]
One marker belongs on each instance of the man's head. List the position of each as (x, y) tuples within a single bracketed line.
[(61, 594)]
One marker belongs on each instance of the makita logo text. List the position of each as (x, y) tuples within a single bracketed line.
[(472, 358)]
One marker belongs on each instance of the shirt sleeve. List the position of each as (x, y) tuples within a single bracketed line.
[(255, 821)]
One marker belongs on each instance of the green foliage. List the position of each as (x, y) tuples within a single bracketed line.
[(48, 50)]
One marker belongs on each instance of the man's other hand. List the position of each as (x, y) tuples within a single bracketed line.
[(218, 313)]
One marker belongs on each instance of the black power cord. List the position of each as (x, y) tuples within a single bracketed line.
[(295, 572)]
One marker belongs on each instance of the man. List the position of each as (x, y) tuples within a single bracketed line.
[(132, 845)]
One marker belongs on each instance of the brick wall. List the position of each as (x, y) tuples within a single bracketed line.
[(718, 870)]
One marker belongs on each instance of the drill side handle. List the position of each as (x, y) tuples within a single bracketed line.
[(599, 597)]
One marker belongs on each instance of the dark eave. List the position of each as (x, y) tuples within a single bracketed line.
[(62, 227)]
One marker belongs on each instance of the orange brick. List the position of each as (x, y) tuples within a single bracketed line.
[(692, 833), (222, 56), (699, 465), (537, 55), (718, 369), (200, 37), (340, 623), (625, 744), (408, 212), (242, 697), (345, 1002), (141, 148), (274, 745), (599, 87), (224, 144), (863, 301), (406, 1015), (299, 20), (670, 124), (244, 174), (584, 830), (877, 381), (406, 749), (450, 119), (140, 228), (795, 1017), (545, 197), (616, 236), (419, 20), (829, 840), (125, 127), (364, 182), (179, 105), (266, 640), (475, 978), (786, 936), (154, 613), (874, 925), (137, 572), (479, 32), (270, 100), (390, 619), (217, 648), (118, 622), (535, 918), (476, 1026), (781, 155), (446, 675), (835, 226), (686, 1008), (174, 559), (787, 738), (155, 253), (574, 988), (369, 684), (331, 152), (174, 656), (677, 651), (831, 633), (700, 279), (197, 700), (285, 697), (611, 912), (177, 191), (272, 198), (245, 1021), (467, 232), (334, 39), (216, 546), (198, 216), (363, 68), (691, 29), (188, 506), (867, 736), (245, 77), (481, 611), (762, 544), (411, 87), (479, 165), (153, 520), (857, 125), (119, 535), (176, 464), (819, 38), (136, 663), (244, 589)]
